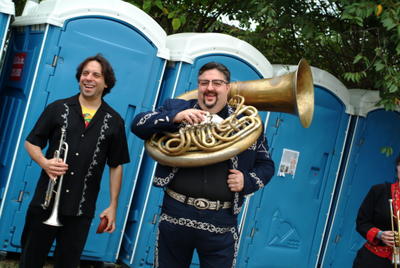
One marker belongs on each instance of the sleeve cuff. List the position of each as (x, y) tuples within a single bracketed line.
[(372, 236)]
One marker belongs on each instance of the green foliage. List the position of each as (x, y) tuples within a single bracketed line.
[(356, 41), (387, 150)]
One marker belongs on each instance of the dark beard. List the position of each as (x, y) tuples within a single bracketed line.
[(209, 106)]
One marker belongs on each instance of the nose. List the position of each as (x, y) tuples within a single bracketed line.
[(210, 85)]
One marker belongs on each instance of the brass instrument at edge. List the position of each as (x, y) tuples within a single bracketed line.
[(50, 192), (396, 232), (211, 142)]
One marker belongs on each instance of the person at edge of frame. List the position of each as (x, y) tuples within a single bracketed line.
[(374, 223), (95, 135), (201, 204)]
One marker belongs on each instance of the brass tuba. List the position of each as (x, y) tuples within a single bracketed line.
[(211, 142)]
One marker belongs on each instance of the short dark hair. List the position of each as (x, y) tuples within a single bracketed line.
[(106, 69), (216, 65)]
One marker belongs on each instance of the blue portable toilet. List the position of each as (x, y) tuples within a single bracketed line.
[(47, 44), (285, 225), (188, 51), (7, 10), (374, 128)]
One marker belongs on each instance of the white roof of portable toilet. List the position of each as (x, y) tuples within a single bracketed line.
[(56, 12), (7, 7), (324, 79), (364, 101), (187, 47)]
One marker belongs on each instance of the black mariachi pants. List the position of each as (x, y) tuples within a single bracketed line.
[(183, 228), (37, 239)]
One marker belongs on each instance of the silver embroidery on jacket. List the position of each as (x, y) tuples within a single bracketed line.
[(145, 118), (65, 123), (236, 208), (257, 179), (159, 181), (94, 162)]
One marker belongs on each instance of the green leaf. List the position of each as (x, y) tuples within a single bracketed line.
[(379, 66), (358, 58), (388, 23), (176, 24), (147, 5), (159, 4), (387, 150)]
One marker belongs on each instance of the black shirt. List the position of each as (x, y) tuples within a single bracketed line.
[(90, 148), (204, 182)]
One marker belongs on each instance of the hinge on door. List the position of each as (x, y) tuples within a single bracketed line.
[(20, 196), (154, 221), (337, 238), (55, 60), (278, 122), (253, 230)]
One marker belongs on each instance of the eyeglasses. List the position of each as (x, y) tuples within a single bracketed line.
[(214, 83)]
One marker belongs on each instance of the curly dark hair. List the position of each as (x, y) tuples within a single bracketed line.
[(218, 66), (106, 69)]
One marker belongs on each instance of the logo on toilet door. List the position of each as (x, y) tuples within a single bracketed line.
[(17, 66)]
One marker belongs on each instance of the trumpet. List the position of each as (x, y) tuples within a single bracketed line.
[(53, 219), (396, 255)]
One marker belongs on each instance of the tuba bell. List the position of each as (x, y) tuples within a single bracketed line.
[(212, 142)]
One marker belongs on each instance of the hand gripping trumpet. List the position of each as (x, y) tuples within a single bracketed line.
[(53, 219), (395, 256)]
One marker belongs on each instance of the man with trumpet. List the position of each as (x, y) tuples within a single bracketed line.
[(378, 221), (202, 201), (86, 133)]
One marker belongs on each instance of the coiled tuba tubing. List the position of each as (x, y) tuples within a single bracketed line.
[(210, 142), (210, 136)]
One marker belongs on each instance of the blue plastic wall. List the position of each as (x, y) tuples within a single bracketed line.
[(138, 71), (4, 24), (366, 166), (285, 222), (139, 238)]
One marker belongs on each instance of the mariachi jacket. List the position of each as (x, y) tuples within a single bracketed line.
[(255, 162)]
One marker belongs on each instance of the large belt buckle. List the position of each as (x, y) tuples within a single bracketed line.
[(201, 203)]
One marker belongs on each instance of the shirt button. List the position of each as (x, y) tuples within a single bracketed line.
[(72, 173), (67, 190), (76, 154), (83, 135)]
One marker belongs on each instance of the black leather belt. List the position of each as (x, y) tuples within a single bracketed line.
[(199, 203)]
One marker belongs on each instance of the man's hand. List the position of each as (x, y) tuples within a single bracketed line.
[(388, 238), (110, 213), (54, 167), (191, 116), (235, 180)]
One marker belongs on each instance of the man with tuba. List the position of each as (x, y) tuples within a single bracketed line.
[(201, 203), (378, 222), (95, 135)]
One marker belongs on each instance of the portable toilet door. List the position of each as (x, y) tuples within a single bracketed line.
[(7, 10), (287, 221), (188, 51), (374, 129), (50, 41)]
